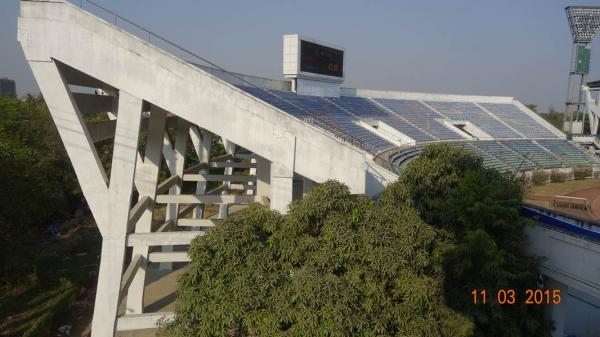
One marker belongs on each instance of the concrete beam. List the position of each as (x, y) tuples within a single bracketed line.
[(138, 210), (161, 239), (167, 184), (146, 179), (136, 263), (202, 141), (198, 222), (142, 321), (218, 177), (169, 257), (117, 215), (282, 182), (204, 199)]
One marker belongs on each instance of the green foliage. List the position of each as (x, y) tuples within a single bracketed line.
[(554, 117), (335, 265), (342, 265), (57, 271), (582, 172), (557, 118), (539, 177), (36, 172), (478, 208), (50, 308), (39, 186), (557, 177), (431, 177), (532, 107)]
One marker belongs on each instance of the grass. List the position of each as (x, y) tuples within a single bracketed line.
[(55, 273), (540, 203), (564, 187)]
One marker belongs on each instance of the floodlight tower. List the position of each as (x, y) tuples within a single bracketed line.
[(584, 22)]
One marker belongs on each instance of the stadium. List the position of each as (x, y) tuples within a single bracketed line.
[(284, 135)]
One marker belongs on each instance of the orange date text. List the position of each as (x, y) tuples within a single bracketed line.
[(511, 296)]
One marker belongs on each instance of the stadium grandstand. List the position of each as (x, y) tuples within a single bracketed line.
[(395, 126), (286, 135), (507, 135)]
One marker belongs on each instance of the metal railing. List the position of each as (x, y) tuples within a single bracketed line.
[(181, 52)]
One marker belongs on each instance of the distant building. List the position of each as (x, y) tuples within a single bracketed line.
[(7, 87)]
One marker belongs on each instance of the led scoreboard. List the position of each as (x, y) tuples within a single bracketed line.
[(306, 58), (323, 60)]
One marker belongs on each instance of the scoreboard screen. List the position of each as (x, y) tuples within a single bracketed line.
[(318, 59)]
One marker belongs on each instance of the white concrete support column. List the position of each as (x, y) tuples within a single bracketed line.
[(75, 137), (282, 185), (177, 161), (109, 202), (557, 312), (117, 215), (263, 177), (146, 178), (307, 186), (229, 149), (202, 142)]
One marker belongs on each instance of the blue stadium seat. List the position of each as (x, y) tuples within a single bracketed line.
[(466, 111), (420, 116), (519, 120), (364, 108), (322, 113)]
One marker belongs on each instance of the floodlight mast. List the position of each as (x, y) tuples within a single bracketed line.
[(584, 22)]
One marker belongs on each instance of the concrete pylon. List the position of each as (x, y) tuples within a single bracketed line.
[(282, 186), (147, 173), (109, 200)]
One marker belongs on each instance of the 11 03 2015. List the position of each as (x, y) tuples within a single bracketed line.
[(512, 296)]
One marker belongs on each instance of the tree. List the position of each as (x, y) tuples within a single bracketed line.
[(478, 209), (342, 265), (532, 107), (39, 186), (434, 174), (335, 265)]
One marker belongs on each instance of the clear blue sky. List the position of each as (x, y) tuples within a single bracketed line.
[(509, 47)]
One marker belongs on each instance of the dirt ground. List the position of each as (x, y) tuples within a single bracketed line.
[(588, 189)]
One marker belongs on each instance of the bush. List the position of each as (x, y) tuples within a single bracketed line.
[(557, 177), (39, 185), (581, 172), (437, 170), (478, 209), (342, 265), (539, 177), (335, 265)]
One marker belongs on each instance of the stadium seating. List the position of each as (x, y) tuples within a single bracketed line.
[(323, 113), (516, 155), (364, 108), (518, 120), (534, 152), (465, 111), (420, 116), (523, 145), (568, 152), (511, 159)]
